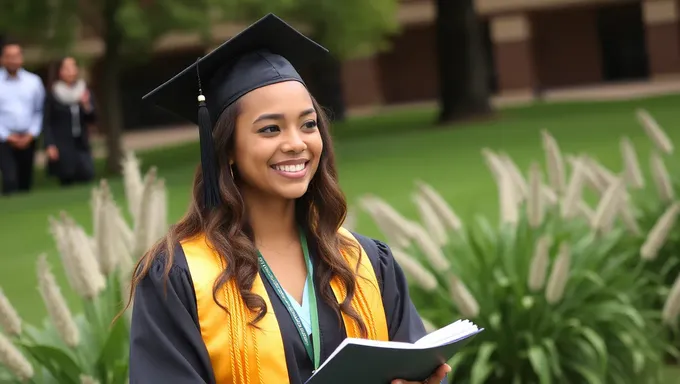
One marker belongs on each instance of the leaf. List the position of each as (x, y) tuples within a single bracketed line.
[(481, 368), (57, 362), (586, 373), (598, 344), (114, 347), (539, 362)]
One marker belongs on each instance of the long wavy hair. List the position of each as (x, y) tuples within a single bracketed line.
[(320, 212)]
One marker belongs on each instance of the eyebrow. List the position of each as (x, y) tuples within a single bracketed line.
[(278, 116)]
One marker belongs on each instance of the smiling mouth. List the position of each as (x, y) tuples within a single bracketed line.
[(290, 168)]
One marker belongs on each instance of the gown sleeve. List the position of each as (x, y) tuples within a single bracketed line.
[(403, 321), (165, 339)]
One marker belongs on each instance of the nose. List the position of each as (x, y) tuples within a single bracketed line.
[(294, 142)]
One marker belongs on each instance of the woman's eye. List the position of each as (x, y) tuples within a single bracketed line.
[(269, 129), (310, 124)]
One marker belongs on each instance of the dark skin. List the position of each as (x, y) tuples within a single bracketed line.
[(12, 59)]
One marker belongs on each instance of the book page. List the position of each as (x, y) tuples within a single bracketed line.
[(451, 332)]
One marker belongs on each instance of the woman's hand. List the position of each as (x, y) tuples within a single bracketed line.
[(436, 378), (53, 153)]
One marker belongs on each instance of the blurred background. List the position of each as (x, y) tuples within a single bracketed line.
[(420, 91)]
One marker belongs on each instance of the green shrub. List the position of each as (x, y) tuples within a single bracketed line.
[(88, 347), (559, 296)]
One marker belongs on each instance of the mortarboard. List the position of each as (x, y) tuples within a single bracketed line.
[(267, 52)]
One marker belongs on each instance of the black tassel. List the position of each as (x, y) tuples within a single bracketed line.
[(211, 190)]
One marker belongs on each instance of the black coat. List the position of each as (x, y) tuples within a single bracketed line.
[(57, 128)]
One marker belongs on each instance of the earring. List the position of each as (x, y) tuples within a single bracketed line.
[(231, 169)]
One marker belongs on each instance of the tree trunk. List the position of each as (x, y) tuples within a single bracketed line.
[(463, 81), (326, 86), (112, 114)]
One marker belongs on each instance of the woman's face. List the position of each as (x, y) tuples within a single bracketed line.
[(69, 70), (277, 144)]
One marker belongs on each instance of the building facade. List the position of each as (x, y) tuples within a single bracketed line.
[(531, 45)]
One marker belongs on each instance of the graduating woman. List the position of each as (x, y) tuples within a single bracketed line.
[(259, 283)]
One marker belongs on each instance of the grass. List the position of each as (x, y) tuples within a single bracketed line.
[(380, 155)]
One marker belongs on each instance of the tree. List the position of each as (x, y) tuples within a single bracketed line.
[(127, 28), (463, 69), (348, 28)]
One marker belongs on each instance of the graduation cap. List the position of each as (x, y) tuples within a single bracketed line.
[(267, 52)]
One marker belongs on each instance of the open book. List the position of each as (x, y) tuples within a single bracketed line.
[(380, 362)]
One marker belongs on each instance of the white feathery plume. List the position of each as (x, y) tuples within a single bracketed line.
[(494, 163), (559, 275), (632, 172), (655, 132), (509, 209), (604, 176), (594, 179), (606, 210), (574, 193), (9, 318), (553, 155), (658, 234), (521, 186), (628, 216), (671, 307), (535, 209), (430, 219), (56, 304), (419, 275), (433, 253), (59, 233), (134, 186), (14, 361), (661, 178), (461, 296), (144, 222), (88, 279), (106, 235), (539, 263), (549, 196), (390, 222), (85, 379), (446, 214), (429, 327)]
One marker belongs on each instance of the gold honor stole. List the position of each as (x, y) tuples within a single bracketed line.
[(247, 355)]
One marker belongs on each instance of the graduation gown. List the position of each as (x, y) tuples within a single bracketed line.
[(166, 345)]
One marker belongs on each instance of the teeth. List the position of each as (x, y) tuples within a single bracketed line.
[(290, 168)]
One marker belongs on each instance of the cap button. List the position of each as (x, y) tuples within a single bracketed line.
[(201, 98)]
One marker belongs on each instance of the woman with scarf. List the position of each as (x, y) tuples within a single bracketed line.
[(69, 110)]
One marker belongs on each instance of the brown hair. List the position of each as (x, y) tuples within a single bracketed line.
[(321, 211)]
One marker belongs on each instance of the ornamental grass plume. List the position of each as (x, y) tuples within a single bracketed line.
[(430, 219), (461, 296), (412, 268), (446, 214), (574, 192), (606, 210), (671, 308), (432, 252), (662, 179), (632, 173), (85, 379), (391, 223), (134, 186), (659, 232), (55, 303), (9, 317), (654, 131), (535, 206), (559, 275), (555, 163), (509, 208), (85, 265), (539, 263), (14, 361), (521, 186)]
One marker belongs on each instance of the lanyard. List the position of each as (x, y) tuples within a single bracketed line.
[(313, 351)]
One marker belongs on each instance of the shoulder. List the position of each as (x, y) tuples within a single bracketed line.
[(163, 264), (378, 252), (33, 78)]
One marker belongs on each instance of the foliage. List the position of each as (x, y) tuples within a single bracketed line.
[(347, 28), (89, 347), (562, 289)]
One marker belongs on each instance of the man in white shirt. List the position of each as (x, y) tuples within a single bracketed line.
[(22, 95)]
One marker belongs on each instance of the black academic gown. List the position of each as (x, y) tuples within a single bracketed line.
[(166, 345)]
